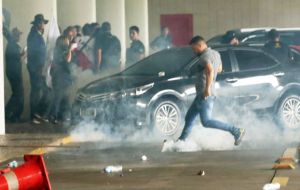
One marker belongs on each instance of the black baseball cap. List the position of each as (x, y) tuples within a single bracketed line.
[(230, 35)]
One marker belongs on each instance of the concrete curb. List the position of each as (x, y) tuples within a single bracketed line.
[(287, 161), (40, 149), (60, 142)]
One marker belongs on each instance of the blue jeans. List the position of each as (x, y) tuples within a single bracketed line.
[(204, 107)]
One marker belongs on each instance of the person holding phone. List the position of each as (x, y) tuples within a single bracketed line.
[(61, 80)]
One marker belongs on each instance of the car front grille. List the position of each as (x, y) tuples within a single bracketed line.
[(99, 97)]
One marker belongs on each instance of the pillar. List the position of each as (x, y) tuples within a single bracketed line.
[(75, 12), (113, 11), (2, 113), (137, 14)]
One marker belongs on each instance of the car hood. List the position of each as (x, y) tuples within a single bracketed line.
[(117, 83)]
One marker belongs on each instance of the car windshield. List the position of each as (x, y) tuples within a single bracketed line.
[(163, 63)]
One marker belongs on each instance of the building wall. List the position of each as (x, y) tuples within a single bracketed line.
[(213, 17), (73, 12)]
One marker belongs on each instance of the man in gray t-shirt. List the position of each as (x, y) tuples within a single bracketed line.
[(212, 57), (208, 67)]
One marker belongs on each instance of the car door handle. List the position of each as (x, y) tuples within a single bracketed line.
[(232, 80), (279, 74)]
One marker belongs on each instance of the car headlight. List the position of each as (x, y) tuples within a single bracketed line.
[(141, 90)]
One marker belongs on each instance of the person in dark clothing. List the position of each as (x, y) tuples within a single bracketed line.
[(87, 30), (78, 30), (61, 79), (13, 59), (164, 41), (108, 49), (36, 61), (136, 51), (231, 38), (277, 48)]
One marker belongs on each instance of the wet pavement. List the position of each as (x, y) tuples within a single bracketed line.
[(233, 170), (79, 166)]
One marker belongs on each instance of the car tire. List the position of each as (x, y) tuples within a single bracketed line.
[(167, 117), (288, 112)]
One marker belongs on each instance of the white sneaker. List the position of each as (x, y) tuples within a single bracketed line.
[(35, 121)]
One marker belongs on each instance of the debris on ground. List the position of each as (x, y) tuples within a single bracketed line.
[(12, 164), (271, 186), (144, 158), (113, 169), (201, 173)]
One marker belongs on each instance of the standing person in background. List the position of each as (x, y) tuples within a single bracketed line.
[(61, 79), (231, 38), (164, 41), (277, 48), (71, 33), (78, 30), (108, 49), (136, 51), (13, 59), (36, 61)]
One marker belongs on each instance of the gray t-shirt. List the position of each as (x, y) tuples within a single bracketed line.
[(208, 56)]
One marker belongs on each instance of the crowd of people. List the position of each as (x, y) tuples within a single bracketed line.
[(91, 47)]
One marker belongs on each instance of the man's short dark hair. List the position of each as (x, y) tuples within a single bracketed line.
[(196, 39), (163, 28), (106, 26), (134, 28)]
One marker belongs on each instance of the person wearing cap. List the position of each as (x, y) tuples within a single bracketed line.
[(36, 61), (108, 49), (277, 48), (13, 58), (231, 38), (163, 41)]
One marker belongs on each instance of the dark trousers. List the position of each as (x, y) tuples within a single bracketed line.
[(60, 104), (14, 107), (39, 93)]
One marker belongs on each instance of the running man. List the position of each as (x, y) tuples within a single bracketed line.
[(209, 65)]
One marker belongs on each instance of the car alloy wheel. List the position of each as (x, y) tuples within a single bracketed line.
[(290, 112), (167, 118)]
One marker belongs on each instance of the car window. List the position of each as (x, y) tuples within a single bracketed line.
[(287, 39), (226, 63), (261, 39), (163, 63), (253, 60)]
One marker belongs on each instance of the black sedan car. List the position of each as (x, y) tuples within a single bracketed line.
[(157, 91)]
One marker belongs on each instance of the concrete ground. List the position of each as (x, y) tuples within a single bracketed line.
[(79, 166)]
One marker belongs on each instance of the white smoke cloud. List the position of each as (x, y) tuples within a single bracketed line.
[(261, 131)]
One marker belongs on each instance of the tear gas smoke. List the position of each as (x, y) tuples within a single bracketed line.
[(261, 130)]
